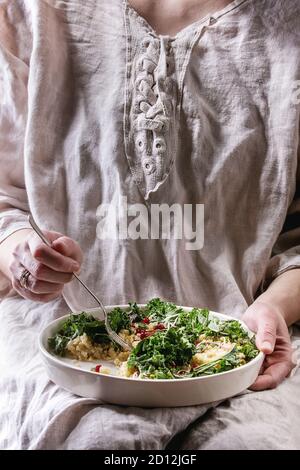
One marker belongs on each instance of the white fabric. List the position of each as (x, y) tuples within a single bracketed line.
[(231, 144), (69, 134)]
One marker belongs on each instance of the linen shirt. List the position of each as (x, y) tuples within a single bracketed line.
[(95, 106)]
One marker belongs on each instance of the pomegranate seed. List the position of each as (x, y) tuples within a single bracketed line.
[(160, 326), (146, 334), (140, 330), (98, 367), (146, 320)]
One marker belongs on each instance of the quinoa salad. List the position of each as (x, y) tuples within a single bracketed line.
[(168, 342)]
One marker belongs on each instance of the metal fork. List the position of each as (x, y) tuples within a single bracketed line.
[(111, 333)]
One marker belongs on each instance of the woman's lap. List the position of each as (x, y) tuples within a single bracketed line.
[(37, 414), (255, 421)]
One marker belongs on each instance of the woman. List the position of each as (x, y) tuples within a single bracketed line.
[(182, 102)]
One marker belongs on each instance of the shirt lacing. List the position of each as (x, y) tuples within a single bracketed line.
[(153, 111)]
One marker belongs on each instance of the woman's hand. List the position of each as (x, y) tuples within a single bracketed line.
[(49, 268), (272, 338)]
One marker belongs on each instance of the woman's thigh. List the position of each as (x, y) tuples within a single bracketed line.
[(24, 387)]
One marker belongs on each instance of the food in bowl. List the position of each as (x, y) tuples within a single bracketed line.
[(169, 342)]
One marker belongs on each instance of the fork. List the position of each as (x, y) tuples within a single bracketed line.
[(111, 333)]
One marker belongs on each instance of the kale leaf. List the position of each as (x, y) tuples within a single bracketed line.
[(77, 325), (119, 319), (157, 355), (136, 314), (158, 310), (58, 344)]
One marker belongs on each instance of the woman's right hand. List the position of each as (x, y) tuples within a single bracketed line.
[(49, 267)]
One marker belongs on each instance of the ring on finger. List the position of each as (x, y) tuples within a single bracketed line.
[(24, 279)]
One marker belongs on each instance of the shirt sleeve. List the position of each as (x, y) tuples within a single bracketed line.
[(286, 252), (15, 49)]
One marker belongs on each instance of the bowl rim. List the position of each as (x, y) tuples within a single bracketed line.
[(66, 365)]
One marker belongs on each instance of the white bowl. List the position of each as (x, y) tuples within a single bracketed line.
[(77, 377)]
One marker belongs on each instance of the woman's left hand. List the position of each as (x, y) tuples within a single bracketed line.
[(273, 339)]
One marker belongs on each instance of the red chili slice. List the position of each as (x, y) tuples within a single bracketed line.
[(98, 367)]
